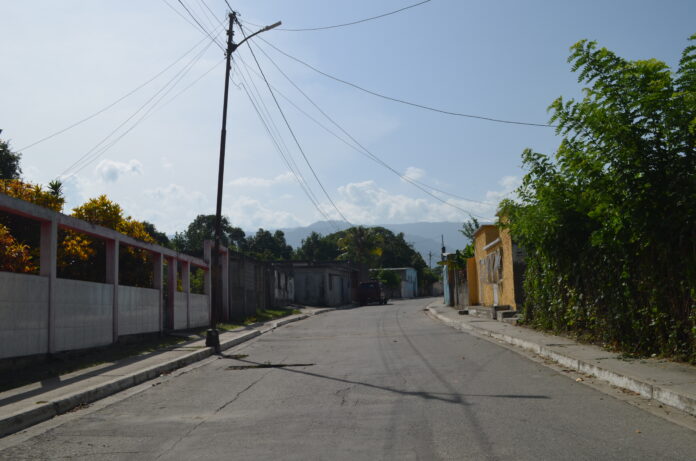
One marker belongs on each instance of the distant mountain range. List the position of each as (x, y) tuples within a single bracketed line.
[(424, 236)]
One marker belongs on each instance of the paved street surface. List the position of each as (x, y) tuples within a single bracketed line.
[(377, 382)]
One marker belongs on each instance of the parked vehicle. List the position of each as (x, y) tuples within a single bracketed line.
[(371, 292)]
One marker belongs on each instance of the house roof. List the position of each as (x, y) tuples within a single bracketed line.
[(482, 227)]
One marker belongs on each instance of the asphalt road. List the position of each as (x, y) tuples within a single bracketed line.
[(377, 382)]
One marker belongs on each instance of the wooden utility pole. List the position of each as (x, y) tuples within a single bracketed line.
[(216, 308)]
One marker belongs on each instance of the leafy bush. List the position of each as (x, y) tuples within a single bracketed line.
[(609, 227)]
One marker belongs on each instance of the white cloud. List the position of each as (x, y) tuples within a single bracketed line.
[(414, 173), (111, 171), (172, 207), (366, 203), (508, 186), (249, 213), (283, 178)]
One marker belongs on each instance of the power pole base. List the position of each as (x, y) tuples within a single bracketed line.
[(212, 339)]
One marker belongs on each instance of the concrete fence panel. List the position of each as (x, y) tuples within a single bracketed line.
[(138, 310), (83, 313), (199, 311), (180, 310), (23, 314)]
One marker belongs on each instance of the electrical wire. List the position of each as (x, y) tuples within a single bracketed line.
[(348, 23), (109, 106), (156, 105), (204, 8), (199, 24), (402, 101), (94, 152), (268, 115), (296, 174), (363, 150), (287, 124)]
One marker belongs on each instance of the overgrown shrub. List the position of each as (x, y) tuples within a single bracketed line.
[(609, 227)]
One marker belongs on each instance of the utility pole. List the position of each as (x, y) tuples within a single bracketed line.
[(212, 337), (442, 238)]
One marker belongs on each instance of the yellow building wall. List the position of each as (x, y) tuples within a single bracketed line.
[(472, 281), (506, 288)]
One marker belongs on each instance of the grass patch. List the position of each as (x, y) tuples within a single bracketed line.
[(263, 315)]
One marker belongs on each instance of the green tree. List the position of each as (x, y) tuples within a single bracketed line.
[(84, 258), (55, 188), (9, 162), (318, 248), (389, 279), (159, 237), (468, 230), (268, 246), (202, 228), (609, 225), (362, 245)]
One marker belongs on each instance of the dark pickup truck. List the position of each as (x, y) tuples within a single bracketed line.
[(371, 292)]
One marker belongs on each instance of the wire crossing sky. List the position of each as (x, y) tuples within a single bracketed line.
[(405, 111)]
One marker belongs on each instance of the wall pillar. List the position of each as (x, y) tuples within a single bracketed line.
[(172, 280), (208, 284), (225, 260), (157, 279), (48, 268), (186, 287), (112, 252)]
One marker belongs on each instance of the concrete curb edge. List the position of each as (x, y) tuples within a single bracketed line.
[(16, 422), (666, 396)]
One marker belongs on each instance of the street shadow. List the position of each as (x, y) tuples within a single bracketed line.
[(50, 383), (458, 399)]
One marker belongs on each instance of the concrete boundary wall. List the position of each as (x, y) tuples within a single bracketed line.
[(136, 310), (23, 314), (181, 313), (42, 314), (199, 311), (83, 315)]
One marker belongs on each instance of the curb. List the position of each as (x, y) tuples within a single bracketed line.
[(651, 391), (21, 420)]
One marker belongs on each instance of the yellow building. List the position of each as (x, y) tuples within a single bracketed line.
[(491, 272)]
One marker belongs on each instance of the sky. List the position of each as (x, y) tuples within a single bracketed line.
[(63, 61)]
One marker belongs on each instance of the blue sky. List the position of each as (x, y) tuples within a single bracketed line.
[(63, 61)]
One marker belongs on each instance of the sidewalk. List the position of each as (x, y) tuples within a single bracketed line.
[(669, 383), (31, 404)]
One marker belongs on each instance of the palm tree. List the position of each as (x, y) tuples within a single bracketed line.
[(361, 245), (55, 187)]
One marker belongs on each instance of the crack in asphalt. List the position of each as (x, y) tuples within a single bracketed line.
[(219, 409)]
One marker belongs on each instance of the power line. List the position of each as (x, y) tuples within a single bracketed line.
[(402, 101), (200, 25), (268, 112), (297, 175), (299, 146), (363, 150), (277, 131), (204, 8), (109, 106), (148, 112), (94, 153), (349, 23)]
